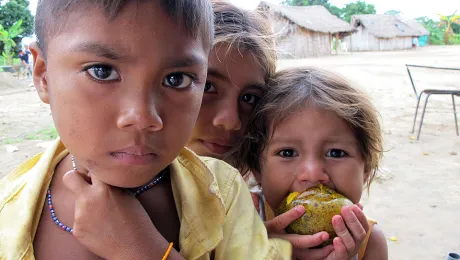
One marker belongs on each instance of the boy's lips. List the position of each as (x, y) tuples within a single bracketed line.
[(135, 155), (217, 147)]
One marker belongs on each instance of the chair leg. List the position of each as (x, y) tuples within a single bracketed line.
[(423, 115), (416, 111), (455, 113)]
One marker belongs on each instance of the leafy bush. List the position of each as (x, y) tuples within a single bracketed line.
[(456, 39)]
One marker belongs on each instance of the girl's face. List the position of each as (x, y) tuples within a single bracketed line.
[(313, 146), (234, 85)]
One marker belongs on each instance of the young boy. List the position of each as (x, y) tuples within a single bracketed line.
[(124, 115)]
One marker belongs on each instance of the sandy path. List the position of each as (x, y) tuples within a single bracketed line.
[(416, 199)]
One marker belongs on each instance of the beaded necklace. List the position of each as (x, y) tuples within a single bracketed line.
[(136, 193)]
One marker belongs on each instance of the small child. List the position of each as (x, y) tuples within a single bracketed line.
[(313, 128), (125, 80)]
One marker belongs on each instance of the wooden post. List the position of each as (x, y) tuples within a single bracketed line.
[(330, 43), (351, 42), (336, 43)]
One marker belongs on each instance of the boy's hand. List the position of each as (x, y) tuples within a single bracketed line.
[(108, 221), (345, 246)]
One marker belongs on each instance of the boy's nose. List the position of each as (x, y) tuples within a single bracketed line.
[(141, 115), (227, 117), (312, 171)]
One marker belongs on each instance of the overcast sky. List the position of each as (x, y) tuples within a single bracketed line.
[(410, 8)]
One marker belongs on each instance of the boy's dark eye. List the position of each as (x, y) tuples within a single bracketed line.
[(177, 80), (103, 72), (287, 153), (250, 99), (336, 153), (209, 87)]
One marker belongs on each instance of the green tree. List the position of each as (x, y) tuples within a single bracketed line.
[(12, 11), (436, 33), (332, 9), (456, 28), (359, 7), (6, 37), (393, 12), (446, 23)]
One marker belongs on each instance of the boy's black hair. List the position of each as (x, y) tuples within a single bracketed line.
[(195, 16)]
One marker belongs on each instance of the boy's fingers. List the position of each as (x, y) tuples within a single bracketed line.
[(279, 223), (353, 224), (343, 233), (75, 182), (96, 182)]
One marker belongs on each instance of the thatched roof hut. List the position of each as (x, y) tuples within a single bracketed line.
[(384, 26), (304, 31), (379, 32), (417, 26)]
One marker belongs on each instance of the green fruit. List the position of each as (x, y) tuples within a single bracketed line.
[(321, 204)]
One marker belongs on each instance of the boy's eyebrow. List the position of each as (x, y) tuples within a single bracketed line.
[(98, 49), (111, 53)]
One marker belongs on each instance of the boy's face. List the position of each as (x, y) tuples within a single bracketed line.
[(313, 146), (124, 94)]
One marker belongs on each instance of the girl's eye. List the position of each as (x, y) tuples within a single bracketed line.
[(336, 153), (209, 87), (178, 80), (250, 99), (287, 153), (103, 72)]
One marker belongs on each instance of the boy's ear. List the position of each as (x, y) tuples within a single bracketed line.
[(39, 72)]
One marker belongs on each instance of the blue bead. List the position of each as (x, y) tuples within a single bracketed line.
[(60, 224), (54, 218), (68, 229)]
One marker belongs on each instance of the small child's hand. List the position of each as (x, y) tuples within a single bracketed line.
[(345, 246), (108, 221), (351, 233)]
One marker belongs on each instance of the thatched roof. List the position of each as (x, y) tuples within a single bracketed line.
[(384, 26), (314, 18), (417, 26)]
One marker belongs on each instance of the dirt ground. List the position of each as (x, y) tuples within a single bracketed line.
[(416, 197)]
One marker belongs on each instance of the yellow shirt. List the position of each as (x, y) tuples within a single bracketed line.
[(214, 206)]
